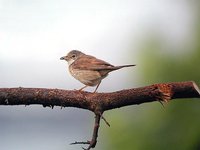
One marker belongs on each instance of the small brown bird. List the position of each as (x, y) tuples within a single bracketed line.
[(88, 69)]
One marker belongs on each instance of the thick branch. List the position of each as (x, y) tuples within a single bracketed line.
[(98, 101)]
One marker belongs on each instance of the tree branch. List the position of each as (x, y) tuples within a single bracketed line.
[(98, 102), (93, 142)]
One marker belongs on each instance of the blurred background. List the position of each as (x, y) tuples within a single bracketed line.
[(160, 36)]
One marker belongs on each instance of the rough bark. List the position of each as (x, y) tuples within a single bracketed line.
[(98, 102)]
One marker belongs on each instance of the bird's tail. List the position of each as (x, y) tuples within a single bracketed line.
[(123, 66), (110, 68)]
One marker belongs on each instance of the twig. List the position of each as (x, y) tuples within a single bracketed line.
[(104, 119), (93, 142)]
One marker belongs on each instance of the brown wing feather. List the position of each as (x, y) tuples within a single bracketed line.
[(87, 62)]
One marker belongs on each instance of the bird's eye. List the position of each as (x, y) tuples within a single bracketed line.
[(73, 56)]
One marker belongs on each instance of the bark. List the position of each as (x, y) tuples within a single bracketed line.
[(98, 102)]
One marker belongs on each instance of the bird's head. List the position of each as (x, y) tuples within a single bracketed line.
[(72, 56)]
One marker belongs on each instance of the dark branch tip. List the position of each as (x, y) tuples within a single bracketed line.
[(196, 87)]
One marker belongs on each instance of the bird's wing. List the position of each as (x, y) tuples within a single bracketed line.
[(87, 62)]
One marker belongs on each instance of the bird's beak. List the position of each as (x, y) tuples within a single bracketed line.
[(63, 58)]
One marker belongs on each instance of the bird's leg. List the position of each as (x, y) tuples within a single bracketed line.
[(83, 88), (97, 87)]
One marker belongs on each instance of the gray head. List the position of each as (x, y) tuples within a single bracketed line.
[(72, 56)]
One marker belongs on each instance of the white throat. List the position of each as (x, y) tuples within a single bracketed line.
[(70, 61)]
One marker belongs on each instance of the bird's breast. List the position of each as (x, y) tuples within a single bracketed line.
[(87, 77)]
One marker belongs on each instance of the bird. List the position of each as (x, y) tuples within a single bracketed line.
[(88, 69)]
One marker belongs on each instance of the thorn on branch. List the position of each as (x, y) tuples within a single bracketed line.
[(75, 143), (104, 119), (52, 106), (44, 105), (6, 101), (163, 103)]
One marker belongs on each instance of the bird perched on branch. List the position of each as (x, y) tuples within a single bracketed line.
[(88, 69)]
